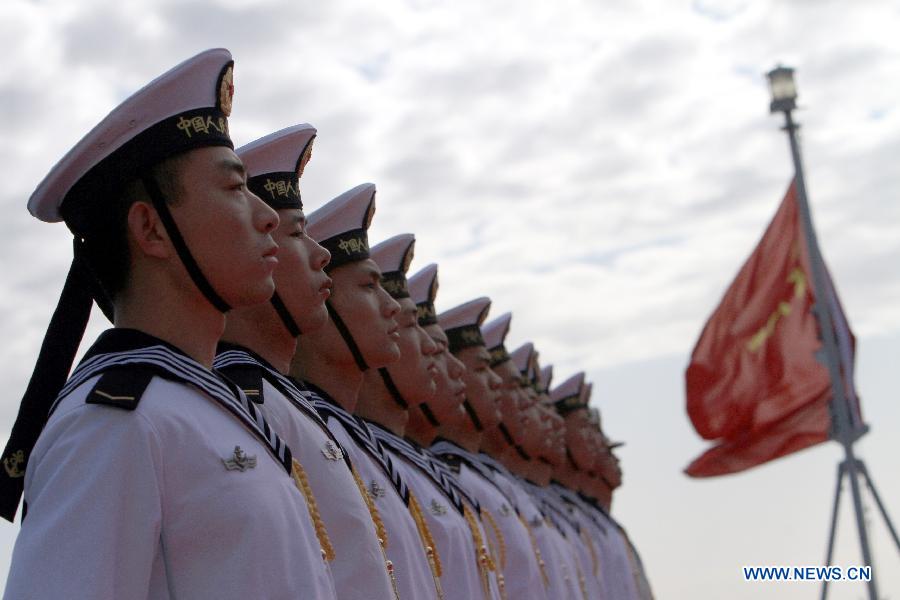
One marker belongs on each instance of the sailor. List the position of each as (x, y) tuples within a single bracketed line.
[(624, 571), (358, 295), (506, 456), (566, 520), (569, 400), (503, 443), (258, 345), (451, 513), (553, 534), (153, 476), (518, 570)]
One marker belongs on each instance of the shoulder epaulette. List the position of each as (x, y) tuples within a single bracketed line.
[(453, 461), (121, 387), (247, 377)]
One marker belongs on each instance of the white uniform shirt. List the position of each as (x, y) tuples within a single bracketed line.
[(594, 532), (522, 577), (559, 555), (589, 585), (138, 504), (461, 577), (358, 568), (618, 574), (405, 547)]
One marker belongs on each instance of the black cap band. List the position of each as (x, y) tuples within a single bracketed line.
[(499, 355), (569, 404), (278, 190), (394, 283), (460, 338), (426, 314), (350, 246)]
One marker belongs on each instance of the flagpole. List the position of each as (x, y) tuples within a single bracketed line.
[(784, 96)]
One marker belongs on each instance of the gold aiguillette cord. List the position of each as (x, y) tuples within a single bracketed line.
[(485, 564), (302, 483), (380, 531), (537, 552), (434, 560)]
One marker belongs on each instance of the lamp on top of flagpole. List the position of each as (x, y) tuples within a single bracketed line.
[(784, 91), (784, 100)]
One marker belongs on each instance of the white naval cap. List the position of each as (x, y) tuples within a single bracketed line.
[(393, 257), (341, 226), (423, 288), (567, 396), (462, 324), (494, 334), (586, 390), (534, 370), (522, 357), (186, 107), (545, 377), (275, 163)]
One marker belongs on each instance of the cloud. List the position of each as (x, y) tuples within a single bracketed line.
[(622, 150)]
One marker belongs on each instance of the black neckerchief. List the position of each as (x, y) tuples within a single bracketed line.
[(443, 447), (427, 463), (359, 430), (232, 358)]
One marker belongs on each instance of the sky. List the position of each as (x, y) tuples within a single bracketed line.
[(600, 169)]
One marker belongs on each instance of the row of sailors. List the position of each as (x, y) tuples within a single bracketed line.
[(346, 441)]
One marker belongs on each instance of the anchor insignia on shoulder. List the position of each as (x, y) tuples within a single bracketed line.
[(239, 461), (438, 509), (331, 451), (375, 490), (504, 510)]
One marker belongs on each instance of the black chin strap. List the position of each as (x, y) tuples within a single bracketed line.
[(345, 333), (521, 452), (50, 373), (605, 481), (429, 416), (392, 388), (159, 203), (506, 434), (401, 401), (285, 315), (572, 459), (470, 410)]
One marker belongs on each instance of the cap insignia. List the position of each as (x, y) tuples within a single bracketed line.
[(226, 90), (307, 154)]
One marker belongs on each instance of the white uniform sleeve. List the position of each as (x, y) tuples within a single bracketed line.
[(93, 491)]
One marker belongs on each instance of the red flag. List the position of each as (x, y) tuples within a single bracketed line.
[(754, 384)]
